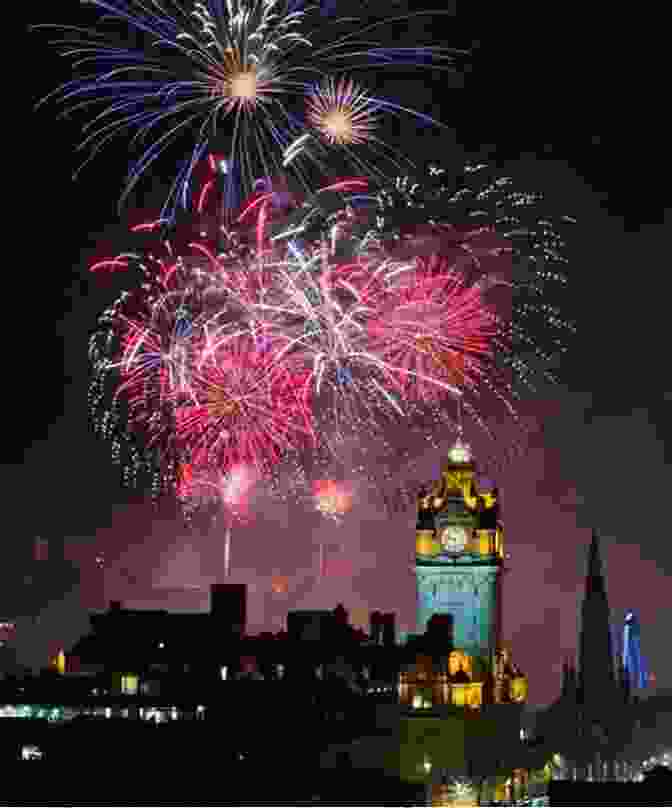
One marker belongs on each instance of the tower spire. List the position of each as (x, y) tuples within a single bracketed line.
[(460, 452), (596, 659), (594, 575)]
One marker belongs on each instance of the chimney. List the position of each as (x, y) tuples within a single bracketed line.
[(228, 607), (389, 635), (376, 632)]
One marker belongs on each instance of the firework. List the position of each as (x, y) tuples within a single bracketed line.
[(224, 495), (341, 112), (331, 498), (326, 322), (247, 409), (433, 330), (231, 71)]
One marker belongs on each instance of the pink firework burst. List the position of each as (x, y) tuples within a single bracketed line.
[(200, 486), (434, 333), (246, 409)]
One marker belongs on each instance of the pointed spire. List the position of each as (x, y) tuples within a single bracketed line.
[(597, 677), (594, 575)]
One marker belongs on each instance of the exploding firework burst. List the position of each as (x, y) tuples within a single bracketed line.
[(341, 112), (347, 318), (247, 408), (234, 70)]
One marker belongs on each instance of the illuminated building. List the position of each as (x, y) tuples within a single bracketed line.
[(459, 567), (634, 665), (460, 555), (460, 692)]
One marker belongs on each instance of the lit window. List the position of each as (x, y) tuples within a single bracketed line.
[(108, 712), (154, 714), (224, 672), (173, 713), (417, 701), (129, 684), (162, 645), (31, 752)]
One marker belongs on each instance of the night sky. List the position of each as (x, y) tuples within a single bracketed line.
[(569, 110)]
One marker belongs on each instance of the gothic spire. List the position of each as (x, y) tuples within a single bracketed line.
[(594, 575), (596, 660)]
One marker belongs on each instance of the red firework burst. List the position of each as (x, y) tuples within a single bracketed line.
[(434, 333), (246, 409)]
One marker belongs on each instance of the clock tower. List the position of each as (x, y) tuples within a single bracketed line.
[(459, 555)]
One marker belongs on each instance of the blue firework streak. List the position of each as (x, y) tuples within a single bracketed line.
[(212, 72)]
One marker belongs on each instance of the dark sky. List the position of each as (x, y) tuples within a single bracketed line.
[(568, 106)]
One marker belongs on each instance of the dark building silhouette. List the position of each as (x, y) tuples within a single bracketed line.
[(383, 628), (311, 625), (228, 606), (597, 681), (592, 720)]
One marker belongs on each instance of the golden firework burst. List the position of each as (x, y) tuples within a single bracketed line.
[(342, 112)]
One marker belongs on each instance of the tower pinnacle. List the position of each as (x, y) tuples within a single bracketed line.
[(596, 659), (594, 576)]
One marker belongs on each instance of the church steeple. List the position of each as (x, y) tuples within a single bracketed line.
[(594, 576), (596, 659)]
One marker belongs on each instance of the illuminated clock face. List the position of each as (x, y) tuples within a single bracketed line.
[(454, 538)]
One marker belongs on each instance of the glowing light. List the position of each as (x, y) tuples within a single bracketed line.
[(341, 112), (460, 452), (332, 498)]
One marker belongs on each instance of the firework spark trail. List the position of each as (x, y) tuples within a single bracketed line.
[(233, 69)]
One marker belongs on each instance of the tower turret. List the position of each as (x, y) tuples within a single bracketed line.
[(459, 553)]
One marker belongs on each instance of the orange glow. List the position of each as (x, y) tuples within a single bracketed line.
[(331, 498), (457, 660), (280, 585)]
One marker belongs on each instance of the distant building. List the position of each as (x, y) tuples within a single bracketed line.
[(456, 708), (141, 646), (591, 722), (632, 660)]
